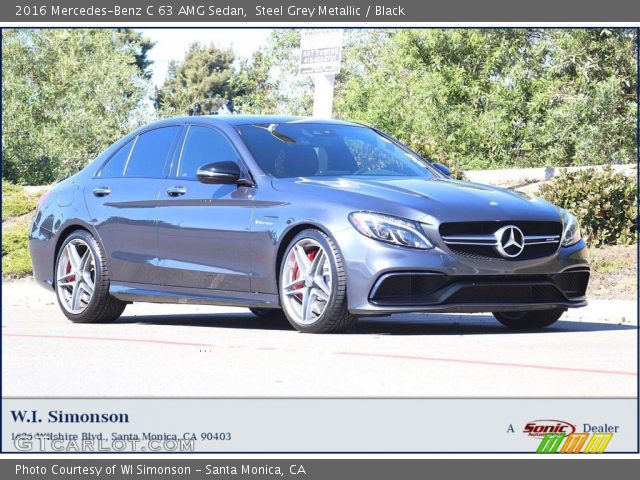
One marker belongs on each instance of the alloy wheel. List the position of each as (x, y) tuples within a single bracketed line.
[(75, 276), (306, 281)]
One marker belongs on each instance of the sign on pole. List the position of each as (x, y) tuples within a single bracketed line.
[(320, 51), (320, 56)]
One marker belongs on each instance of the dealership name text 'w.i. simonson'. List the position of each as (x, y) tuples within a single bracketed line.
[(58, 416)]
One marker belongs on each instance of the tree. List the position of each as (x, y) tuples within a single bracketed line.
[(199, 85), (66, 95), (293, 94), (138, 45), (254, 90), (210, 80), (490, 98)]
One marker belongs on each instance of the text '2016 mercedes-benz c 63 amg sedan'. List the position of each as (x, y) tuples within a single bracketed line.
[(320, 221)]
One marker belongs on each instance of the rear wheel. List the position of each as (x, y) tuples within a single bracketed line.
[(313, 291), (268, 313), (82, 281), (532, 320)]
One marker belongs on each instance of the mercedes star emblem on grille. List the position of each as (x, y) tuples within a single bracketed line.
[(510, 241)]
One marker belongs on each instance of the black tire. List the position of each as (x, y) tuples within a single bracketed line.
[(102, 307), (336, 316), (268, 313), (532, 320)]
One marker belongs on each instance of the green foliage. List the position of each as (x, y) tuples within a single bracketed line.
[(138, 46), (210, 81), (495, 98), (254, 90), (17, 204), (199, 85), (604, 202), (67, 95), (16, 261), (457, 173), (16, 201), (468, 98)]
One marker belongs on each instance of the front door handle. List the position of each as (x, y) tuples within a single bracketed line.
[(101, 191), (176, 191)]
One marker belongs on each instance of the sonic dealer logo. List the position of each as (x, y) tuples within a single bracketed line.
[(558, 436), (539, 428)]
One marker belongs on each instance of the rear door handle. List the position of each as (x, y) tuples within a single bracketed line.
[(101, 191), (176, 191)]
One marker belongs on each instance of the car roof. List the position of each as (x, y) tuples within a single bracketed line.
[(236, 120)]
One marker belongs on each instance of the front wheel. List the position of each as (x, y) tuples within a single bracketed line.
[(313, 285), (532, 320)]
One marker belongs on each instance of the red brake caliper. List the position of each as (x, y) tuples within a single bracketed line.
[(70, 279), (296, 271)]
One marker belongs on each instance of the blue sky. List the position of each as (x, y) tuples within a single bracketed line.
[(171, 44)]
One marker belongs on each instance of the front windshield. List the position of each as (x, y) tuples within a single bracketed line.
[(324, 150)]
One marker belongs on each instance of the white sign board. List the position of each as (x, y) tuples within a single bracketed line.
[(320, 51)]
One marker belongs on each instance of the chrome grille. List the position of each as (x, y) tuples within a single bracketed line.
[(479, 240)]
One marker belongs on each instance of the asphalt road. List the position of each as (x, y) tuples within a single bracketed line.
[(185, 351)]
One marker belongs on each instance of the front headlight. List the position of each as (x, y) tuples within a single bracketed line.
[(571, 230), (386, 228)]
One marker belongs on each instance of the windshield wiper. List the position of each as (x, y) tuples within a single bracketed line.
[(272, 129)]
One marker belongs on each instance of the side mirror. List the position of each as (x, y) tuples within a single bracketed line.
[(443, 169), (219, 173)]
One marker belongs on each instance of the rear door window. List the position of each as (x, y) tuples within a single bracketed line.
[(150, 153)]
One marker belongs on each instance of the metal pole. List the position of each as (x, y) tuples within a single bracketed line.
[(323, 95)]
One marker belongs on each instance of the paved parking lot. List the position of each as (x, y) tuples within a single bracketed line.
[(167, 350)]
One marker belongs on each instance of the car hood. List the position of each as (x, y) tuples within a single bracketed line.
[(442, 199)]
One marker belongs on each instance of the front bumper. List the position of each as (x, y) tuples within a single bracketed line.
[(383, 279)]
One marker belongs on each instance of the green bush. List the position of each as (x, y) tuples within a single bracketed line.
[(425, 151), (16, 205), (16, 201), (604, 202), (16, 261), (497, 98)]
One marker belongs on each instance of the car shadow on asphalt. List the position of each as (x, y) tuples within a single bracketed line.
[(412, 324), (468, 325)]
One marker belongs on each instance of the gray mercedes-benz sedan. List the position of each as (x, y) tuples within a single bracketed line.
[(319, 221)]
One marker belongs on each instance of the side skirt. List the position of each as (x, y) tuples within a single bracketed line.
[(140, 292)]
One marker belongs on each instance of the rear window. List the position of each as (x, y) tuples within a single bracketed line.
[(115, 166)]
